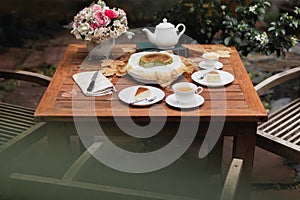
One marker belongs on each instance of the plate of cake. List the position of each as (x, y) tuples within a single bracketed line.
[(213, 78), (155, 67), (141, 95)]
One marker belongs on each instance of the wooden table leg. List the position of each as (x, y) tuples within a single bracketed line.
[(215, 157), (244, 148)]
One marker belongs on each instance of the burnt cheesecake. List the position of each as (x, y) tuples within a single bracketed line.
[(142, 93), (155, 59)]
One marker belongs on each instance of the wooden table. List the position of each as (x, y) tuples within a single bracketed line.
[(241, 107)]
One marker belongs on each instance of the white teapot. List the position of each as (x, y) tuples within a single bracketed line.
[(165, 35)]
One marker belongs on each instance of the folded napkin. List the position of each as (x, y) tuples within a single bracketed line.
[(102, 85)]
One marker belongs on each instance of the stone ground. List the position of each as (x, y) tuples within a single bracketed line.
[(45, 56)]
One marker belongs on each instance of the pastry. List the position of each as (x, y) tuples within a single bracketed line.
[(142, 93), (213, 76), (155, 59)]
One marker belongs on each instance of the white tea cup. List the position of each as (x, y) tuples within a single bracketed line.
[(185, 92), (210, 59)]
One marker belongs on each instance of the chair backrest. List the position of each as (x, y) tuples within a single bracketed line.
[(25, 76), (277, 79)]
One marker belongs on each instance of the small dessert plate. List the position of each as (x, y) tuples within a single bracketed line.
[(226, 78), (203, 65), (172, 101), (127, 95)]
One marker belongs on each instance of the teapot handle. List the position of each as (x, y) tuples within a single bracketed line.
[(183, 29)]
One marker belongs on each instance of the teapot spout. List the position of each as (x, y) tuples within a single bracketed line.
[(151, 36)]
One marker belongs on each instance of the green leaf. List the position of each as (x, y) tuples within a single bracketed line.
[(227, 40)]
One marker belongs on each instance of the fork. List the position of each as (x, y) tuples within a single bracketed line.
[(145, 99)]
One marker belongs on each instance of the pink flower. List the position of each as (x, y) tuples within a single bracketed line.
[(75, 25), (111, 14), (93, 26), (96, 7), (101, 19)]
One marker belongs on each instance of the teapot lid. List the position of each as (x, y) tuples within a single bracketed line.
[(165, 24)]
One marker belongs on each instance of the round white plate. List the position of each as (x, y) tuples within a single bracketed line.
[(172, 101), (218, 65), (127, 95), (226, 78)]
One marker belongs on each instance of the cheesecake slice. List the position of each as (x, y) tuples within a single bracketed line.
[(213, 77), (142, 93)]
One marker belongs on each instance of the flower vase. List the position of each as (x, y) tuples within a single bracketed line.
[(99, 51)]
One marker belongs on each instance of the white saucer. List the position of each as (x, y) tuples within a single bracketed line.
[(203, 65), (226, 78), (172, 101), (127, 95)]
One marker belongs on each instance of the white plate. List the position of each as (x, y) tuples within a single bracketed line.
[(142, 74), (172, 101), (203, 65), (127, 95), (226, 78)]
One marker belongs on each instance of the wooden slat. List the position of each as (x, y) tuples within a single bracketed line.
[(17, 129), (285, 131), (284, 126), (297, 142), (81, 161), (18, 113), (281, 114), (6, 137), (7, 132), (86, 188), (232, 180), (295, 134), (285, 143), (15, 107), (16, 121)]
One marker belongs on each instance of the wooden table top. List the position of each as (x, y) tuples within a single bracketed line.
[(240, 102)]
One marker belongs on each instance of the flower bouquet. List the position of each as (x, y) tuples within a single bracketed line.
[(98, 22)]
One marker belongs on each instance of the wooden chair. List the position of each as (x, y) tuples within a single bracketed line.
[(70, 186), (18, 129), (281, 133)]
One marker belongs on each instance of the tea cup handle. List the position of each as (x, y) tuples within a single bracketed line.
[(199, 90)]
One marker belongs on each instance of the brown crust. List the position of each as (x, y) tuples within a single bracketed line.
[(213, 72), (140, 90), (164, 58)]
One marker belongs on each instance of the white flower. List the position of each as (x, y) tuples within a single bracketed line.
[(76, 33), (252, 8), (262, 38), (294, 41), (117, 23), (83, 28)]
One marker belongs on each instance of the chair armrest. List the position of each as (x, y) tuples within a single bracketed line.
[(25, 76), (277, 79), (232, 179)]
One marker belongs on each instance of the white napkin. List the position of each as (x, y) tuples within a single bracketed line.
[(102, 85)]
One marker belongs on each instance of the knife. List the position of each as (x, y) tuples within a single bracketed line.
[(92, 83)]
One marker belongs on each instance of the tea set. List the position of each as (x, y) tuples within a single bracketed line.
[(186, 95)]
